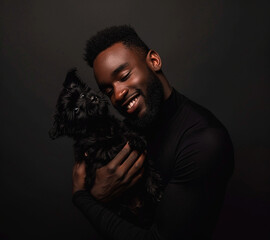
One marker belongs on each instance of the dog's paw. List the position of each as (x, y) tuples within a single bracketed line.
[(136, 142)]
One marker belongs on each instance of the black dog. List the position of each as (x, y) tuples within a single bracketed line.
[(82, 114)]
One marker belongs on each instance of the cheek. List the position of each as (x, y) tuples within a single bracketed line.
[(139, 80)]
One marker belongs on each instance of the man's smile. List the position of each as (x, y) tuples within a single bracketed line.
[(131, 103)]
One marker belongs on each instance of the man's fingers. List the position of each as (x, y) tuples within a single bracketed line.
[(78, 176), (79, 168), (135, 179), (127, 183), (136, 166), (131, 159), (119, 158)]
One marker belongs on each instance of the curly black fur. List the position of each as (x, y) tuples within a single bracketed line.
[(82, 114)]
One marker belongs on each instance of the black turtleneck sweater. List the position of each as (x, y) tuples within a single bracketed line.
[(194, 155)]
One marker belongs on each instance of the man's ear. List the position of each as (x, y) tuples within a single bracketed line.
[(153, 60), (72, 79)]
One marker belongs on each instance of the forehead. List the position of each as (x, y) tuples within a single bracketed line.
[(112, 58)]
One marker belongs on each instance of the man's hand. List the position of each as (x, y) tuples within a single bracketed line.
[(78, 177), (111, 180)]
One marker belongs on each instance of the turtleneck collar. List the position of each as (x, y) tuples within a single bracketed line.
[(168, 106)]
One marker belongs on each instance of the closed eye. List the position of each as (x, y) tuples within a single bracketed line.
[(125, 77)]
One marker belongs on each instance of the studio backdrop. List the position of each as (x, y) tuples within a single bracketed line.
[(213, 51)]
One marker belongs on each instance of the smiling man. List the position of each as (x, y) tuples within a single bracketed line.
[(190, 148), (132, 86)]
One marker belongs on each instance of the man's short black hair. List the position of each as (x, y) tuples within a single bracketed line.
[(111, 35)]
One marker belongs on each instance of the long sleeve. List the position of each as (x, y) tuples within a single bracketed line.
[(109, 224), (192, 198)]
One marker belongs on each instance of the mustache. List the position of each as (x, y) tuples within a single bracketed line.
[(137, 92)]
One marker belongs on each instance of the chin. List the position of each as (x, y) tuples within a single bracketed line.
[(142, 121), (142, 113)]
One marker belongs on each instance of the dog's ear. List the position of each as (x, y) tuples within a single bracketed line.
[(57, 129), (72, 79)]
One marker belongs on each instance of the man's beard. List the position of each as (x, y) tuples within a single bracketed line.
[(153, 100)]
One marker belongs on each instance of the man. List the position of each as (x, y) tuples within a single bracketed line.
[(190, 148)]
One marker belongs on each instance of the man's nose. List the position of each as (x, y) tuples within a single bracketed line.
[(120, 91)]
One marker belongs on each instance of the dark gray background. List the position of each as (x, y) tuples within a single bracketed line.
[(215, 52)]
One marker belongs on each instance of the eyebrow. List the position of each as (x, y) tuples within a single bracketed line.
[(119, 69)]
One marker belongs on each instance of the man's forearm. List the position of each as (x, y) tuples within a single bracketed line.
[(106, 222)]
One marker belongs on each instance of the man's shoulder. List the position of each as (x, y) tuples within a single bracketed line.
[(197, 126), (192, 116)]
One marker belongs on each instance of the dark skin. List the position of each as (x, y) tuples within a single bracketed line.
[(114, 178), (120, 71)]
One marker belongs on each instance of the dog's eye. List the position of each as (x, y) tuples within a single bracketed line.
[(76, 109), (93, 98), (82, 96)]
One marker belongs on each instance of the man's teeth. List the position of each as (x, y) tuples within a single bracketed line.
[(130, 105)]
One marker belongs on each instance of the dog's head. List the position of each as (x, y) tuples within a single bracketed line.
[(78, 106)]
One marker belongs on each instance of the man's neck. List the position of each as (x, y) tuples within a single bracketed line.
[(167, 88)]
